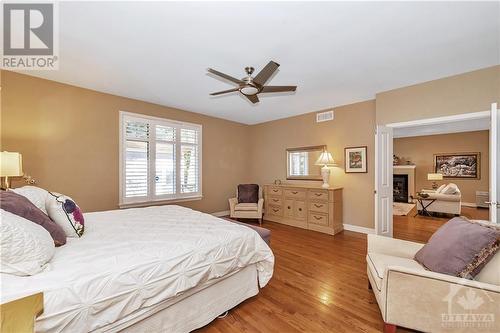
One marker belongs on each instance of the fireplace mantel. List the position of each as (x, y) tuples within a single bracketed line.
[(409, 170)]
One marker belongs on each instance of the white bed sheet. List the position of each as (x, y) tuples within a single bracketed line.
[(133, 259)]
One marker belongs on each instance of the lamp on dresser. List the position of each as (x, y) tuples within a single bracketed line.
[(11, 165), (325, 160)]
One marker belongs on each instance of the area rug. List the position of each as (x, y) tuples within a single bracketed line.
[(401, 208)]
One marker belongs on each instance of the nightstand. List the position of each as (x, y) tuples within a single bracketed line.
[(18, 316)]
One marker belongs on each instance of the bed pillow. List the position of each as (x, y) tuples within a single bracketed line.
[(460, 248), (36, 195), (248, 193), (26, 247), (65, 212), (21, 206)]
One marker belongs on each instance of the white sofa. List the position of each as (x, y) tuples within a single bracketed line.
[(444, 203), (411, 296)]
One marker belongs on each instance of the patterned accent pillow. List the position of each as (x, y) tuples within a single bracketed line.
[(460, 248), (66, 213)]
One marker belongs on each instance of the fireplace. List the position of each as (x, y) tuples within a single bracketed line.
[(400, 188)]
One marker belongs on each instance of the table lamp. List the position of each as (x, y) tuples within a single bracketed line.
[(326, 160), (434, 177), (11, 165)]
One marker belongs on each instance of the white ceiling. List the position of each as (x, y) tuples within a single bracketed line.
[(336, 52)]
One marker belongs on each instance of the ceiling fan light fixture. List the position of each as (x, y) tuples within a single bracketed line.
[(249, 90)]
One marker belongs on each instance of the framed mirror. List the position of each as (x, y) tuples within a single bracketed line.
[(300, 163)]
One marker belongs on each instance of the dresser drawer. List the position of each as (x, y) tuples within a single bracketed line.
[(318, 195), (274, 190), (295, 193), (318, 218), (276, 201), (321, 207), (275, 210)]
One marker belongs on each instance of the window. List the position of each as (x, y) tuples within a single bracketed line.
[(300, 163), (160, 159)]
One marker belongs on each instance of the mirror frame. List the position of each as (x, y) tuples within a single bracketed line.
[(309, 148)]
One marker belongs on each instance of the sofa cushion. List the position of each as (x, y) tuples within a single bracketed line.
[(246, 207), (460, 248), (248, 193), (450, 189), (378, 263), (440, 188)]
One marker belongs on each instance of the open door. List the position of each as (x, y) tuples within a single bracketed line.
[(494, 162), (383, 181)]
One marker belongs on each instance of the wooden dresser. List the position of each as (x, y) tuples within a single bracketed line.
[(308, 207)]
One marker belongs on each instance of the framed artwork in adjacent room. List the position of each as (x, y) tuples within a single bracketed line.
[(458, 165), (355, 159)]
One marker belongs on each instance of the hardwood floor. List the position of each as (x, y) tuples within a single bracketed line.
[(420, 228), (319, 282)]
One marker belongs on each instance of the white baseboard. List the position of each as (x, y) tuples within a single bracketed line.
[(469, 204), (220, 214), (357, 228)]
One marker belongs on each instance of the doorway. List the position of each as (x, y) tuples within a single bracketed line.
[(384, 149)]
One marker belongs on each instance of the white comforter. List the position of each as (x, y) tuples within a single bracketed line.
[(128, 260)]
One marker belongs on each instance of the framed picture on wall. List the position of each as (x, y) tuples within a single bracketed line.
[(458, 165), (355, 160)]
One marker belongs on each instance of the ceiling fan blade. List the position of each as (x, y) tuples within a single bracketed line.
[(252, 98), (225, 76), (271, 89), (224, 92), (266, 72)]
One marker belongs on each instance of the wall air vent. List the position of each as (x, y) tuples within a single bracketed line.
[(324, 116)]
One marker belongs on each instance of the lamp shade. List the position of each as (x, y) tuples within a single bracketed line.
[(434, 176), (11, 164), (325, 159)]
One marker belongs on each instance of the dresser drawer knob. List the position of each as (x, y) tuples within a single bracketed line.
[(318, 194), (295, 192), (317, 217), (289, 207), (276, 200), (275, 190), (275, 210), (318, 206), (300, 209)]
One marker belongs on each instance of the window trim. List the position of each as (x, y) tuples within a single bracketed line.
[(141, 201)]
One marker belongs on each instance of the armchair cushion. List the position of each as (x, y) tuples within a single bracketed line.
[(246, 207), (460, 248), (248, 193), (451, 188)]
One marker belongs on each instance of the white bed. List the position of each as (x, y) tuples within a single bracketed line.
[(167, 268)]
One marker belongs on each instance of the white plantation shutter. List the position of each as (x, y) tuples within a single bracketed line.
[(160, 159)]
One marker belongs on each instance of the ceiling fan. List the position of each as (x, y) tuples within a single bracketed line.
[(250, 86)]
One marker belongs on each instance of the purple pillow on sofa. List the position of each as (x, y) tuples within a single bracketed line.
[(460, 248), (248, 193), (21, 206)]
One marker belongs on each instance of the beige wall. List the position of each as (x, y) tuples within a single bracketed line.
[(69, 140), (353, 126), (420, 150), (464, 93)]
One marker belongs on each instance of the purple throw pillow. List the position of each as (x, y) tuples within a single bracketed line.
[(460, 248), (21, 206), (248, 193)]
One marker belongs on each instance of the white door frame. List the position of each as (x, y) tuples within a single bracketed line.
[(420, 122)]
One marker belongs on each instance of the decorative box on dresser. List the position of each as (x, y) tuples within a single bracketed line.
[(307, 207)]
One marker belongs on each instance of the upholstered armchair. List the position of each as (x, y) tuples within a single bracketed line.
[(411, 296), (248, 203)]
